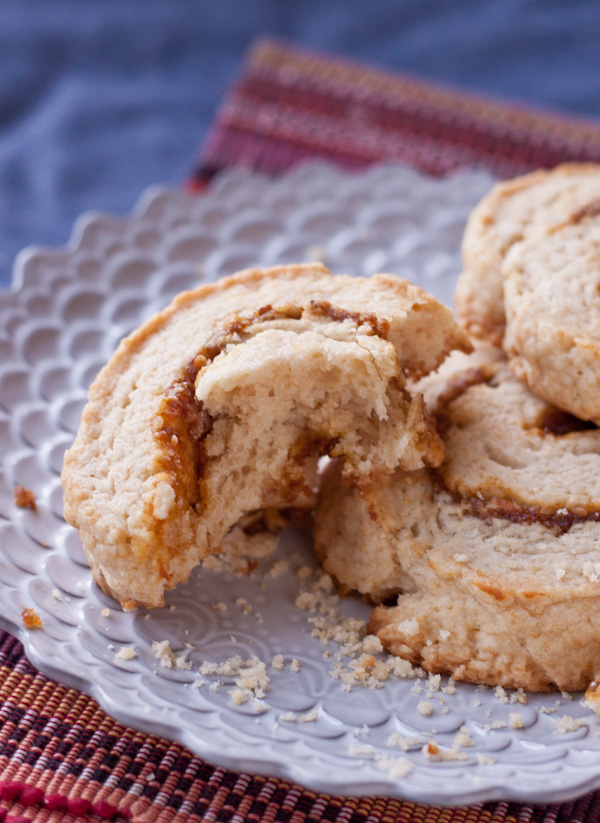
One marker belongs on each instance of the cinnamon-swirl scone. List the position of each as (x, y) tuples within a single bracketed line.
[(552, 304), (217, 407), (496, 553), (508, 214)]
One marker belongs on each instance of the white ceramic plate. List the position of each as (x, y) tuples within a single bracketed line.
[(68, 310)]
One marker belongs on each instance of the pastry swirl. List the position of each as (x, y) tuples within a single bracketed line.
[(493, 558), (218, 406)]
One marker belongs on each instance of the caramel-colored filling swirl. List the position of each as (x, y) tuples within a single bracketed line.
[(560, 520), (591, 209), (182, 424), (181, 428), (551, 422), (559, 423)]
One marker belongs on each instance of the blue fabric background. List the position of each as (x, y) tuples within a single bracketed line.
[(100, 98)]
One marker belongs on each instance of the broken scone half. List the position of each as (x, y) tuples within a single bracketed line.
[(217, 407), (491, 560)]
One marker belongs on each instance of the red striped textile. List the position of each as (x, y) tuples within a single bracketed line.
[(289, 106), (63, 759)]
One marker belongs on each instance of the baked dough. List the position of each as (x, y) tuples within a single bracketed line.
[(552, 303), (496, 554), (215, 408), (508, 214)]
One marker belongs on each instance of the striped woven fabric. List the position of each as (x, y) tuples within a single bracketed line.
[(289, 106), (61, 757)]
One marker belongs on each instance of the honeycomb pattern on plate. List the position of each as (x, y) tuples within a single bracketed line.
[(68, 310)]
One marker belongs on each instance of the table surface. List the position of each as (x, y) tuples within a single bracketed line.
[(100, 99)]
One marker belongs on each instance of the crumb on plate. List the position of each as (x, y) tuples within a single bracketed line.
[(31, 619), (24, 498)]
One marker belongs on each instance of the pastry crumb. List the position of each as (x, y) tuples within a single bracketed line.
[(496, 724), (303, 573), (31, 619), (362, 751), (363, 669), (463, 739), (278, 568), (167, 657), (434, 682), (485, 760), (250, 678), (126, 653), (518, 697), (500, 694), (325, 583), (432, 751), (566, 723), (397, 767), (516, 720), (239, 696), (24, 498), (399, 741)]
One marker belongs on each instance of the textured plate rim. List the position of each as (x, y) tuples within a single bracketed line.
[(277, 768)]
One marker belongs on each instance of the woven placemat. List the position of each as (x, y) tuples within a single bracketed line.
[(61, 757), (289, 106)]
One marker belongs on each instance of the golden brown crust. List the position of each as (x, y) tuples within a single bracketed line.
[(511, 211), (498, 578), (552, 304), (216, 406)]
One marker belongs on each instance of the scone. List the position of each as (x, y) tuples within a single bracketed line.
[(552, 304), (219, 405), (496, 553), (508, 214)]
